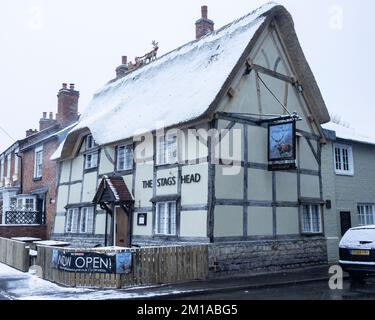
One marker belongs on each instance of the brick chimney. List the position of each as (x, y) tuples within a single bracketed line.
[(67, 108), (122, 69), (30, 132), (45, 122), (204, 25)]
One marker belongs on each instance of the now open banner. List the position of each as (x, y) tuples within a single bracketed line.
[(92, 262)]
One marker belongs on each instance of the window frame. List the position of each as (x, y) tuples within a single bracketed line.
[(38, 167), (130, 165), (23, 200), (74, 220), (93, 165), (163, 152), (339, 166), (172, 226), (70, 217), (89, 228), (365, 214), (311, 230)]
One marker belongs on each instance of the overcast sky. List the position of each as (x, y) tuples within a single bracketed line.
[(45, 43)]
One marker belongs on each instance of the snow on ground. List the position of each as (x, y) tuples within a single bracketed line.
[(25, 286)]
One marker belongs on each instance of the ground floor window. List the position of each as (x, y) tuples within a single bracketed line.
[(366, 214), (80, 220), (165, 218), (312, 219), (25, 203)]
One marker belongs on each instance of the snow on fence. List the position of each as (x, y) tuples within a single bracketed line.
[(150, 266), (15, 254)]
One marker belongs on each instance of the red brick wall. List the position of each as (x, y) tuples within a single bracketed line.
[(10, 231), (49, 178)]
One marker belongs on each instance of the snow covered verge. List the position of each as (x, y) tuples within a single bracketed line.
[(16, 285)]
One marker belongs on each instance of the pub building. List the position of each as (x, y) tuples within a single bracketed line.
[(217, 142)]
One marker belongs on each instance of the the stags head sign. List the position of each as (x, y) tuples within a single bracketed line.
[(282, 145)]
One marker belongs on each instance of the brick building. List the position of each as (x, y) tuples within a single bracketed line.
[(28, 176)]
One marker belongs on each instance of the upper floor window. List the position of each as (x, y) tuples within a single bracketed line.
[(9, 158), (167, 149), (125, 157), (90, 142), (91, 159), (26, 203), (165, 218), (38, 162), (312, 220), (1, 170), (366, 214), (343, 155)]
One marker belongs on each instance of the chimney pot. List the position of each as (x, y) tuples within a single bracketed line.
[(204, 10), (44, 115), (124, 60), (51, 115), (71, 86), (64, 85)]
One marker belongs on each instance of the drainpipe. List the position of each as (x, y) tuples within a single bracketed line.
[(21, 171)]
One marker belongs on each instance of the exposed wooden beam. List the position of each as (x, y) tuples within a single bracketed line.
[(270, 73)]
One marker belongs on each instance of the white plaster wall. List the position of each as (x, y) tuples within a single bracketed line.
[(143, 196), (260, 221), (195, 193), (228, 186), (257, 144), (106, 166), (89, 186), (77, 168), (193, 224), (62, 199), (287, 221), (310, 186), (65, 171), (59, 224), (286, 186), (306, 156), (75, 193), (100, 224), (228, 221), (129, 181), (260, 185), (142, 230)]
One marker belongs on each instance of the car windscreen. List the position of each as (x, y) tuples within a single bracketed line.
[(358, 237)]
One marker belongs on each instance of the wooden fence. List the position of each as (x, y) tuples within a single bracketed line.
[(14, 254), (150, 266)]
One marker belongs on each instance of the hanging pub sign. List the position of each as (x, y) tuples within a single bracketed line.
[(92, 262), (282, 146)]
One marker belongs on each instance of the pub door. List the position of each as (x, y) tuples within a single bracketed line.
[(121, 228)]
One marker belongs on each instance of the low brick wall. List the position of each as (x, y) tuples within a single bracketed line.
[(231, 258), (34, 231)]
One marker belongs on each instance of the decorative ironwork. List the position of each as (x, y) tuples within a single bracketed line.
[(24, 217)]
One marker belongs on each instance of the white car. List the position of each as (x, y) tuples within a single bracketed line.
[(357, 252)]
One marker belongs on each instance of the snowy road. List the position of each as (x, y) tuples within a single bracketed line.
[(24, 286)]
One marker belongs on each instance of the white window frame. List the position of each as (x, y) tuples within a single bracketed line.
[(86, 220), (1, 170), (343, 156), (38, 162), (9, 162), (366, 214), (167, 227), (89, 162), (308, 208), (90, 142), (22, 203), (167, 149), (125, 156), (15, 169), (72, 216)]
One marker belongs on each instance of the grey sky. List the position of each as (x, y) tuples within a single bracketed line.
[(45, 43)]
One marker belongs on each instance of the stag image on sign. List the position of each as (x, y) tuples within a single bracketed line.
[(281, 141)]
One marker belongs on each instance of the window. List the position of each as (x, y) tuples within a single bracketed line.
[(312, 222), (15, 170), (343, 156), (1, 170), (166, 218), (72, 221), (8, 165), (38, 162), (86, 220), (167, 149), (366, 214), (26, 203), (91, 158), (125, 157)]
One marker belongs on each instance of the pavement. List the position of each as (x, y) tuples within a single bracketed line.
[(236, 283), (18, 285)]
